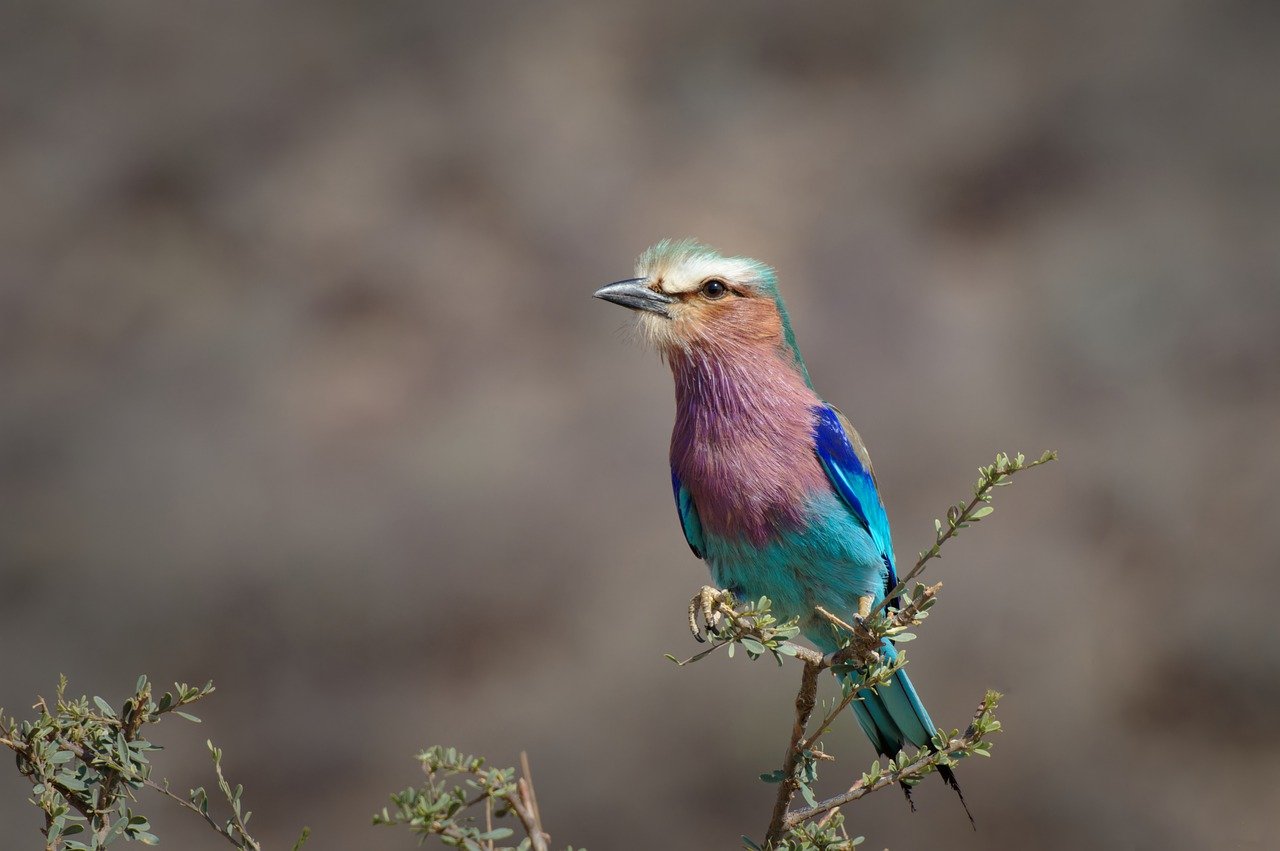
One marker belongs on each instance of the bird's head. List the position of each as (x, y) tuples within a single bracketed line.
[(687, 295)]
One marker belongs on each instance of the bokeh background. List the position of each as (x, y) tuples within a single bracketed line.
[(302, 389)]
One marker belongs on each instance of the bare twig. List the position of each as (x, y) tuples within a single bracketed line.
[(835, 621), (522, 806), (533, 795)]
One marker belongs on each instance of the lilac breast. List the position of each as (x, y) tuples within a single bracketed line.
[(743, 442)]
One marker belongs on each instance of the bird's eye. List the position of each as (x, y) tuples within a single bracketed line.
[(714, 289)]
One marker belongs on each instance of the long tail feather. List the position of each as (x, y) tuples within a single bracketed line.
[(894, 717), (949, 777), (906, 790)]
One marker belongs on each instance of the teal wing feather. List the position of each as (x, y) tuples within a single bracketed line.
[(689, 520)]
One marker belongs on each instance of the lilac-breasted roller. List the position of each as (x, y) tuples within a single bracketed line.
[(773, 487)]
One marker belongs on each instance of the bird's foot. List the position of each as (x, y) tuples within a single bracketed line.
[(707, 603)]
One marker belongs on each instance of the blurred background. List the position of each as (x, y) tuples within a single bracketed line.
[(302, 389)]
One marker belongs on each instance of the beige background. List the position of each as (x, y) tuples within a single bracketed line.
[(302, 389)]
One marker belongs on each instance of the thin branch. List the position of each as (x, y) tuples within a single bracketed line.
[(524, 803), (232, 799), (806, 698), (521, 806), (925, 760), (960, 515), (533, 794), (204, 814)]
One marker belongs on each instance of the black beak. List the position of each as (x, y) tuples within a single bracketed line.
[(634, 294)]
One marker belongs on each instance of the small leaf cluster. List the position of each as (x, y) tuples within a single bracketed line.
[(975, 739), (86, 760), (945, 749), (901, 768), (828, 835), (458, 788), (909, 613)]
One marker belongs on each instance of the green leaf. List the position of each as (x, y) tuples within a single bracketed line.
[(809, 797)]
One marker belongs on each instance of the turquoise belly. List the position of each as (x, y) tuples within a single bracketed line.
[(830, 561)]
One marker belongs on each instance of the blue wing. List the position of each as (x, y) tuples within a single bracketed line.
[(688, 512), (848, 466)]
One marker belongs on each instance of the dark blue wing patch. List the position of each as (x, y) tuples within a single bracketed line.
[(852, 480), (688, 512)]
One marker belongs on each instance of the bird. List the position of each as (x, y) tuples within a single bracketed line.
[(774, 488)]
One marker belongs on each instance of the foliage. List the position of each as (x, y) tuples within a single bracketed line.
[(87, 761), (823, 835), (439, 807)]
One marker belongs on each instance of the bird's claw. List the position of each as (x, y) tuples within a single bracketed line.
[(707, 603)]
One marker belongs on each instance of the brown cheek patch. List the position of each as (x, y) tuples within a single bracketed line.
[(732, 319), (746, 319)]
